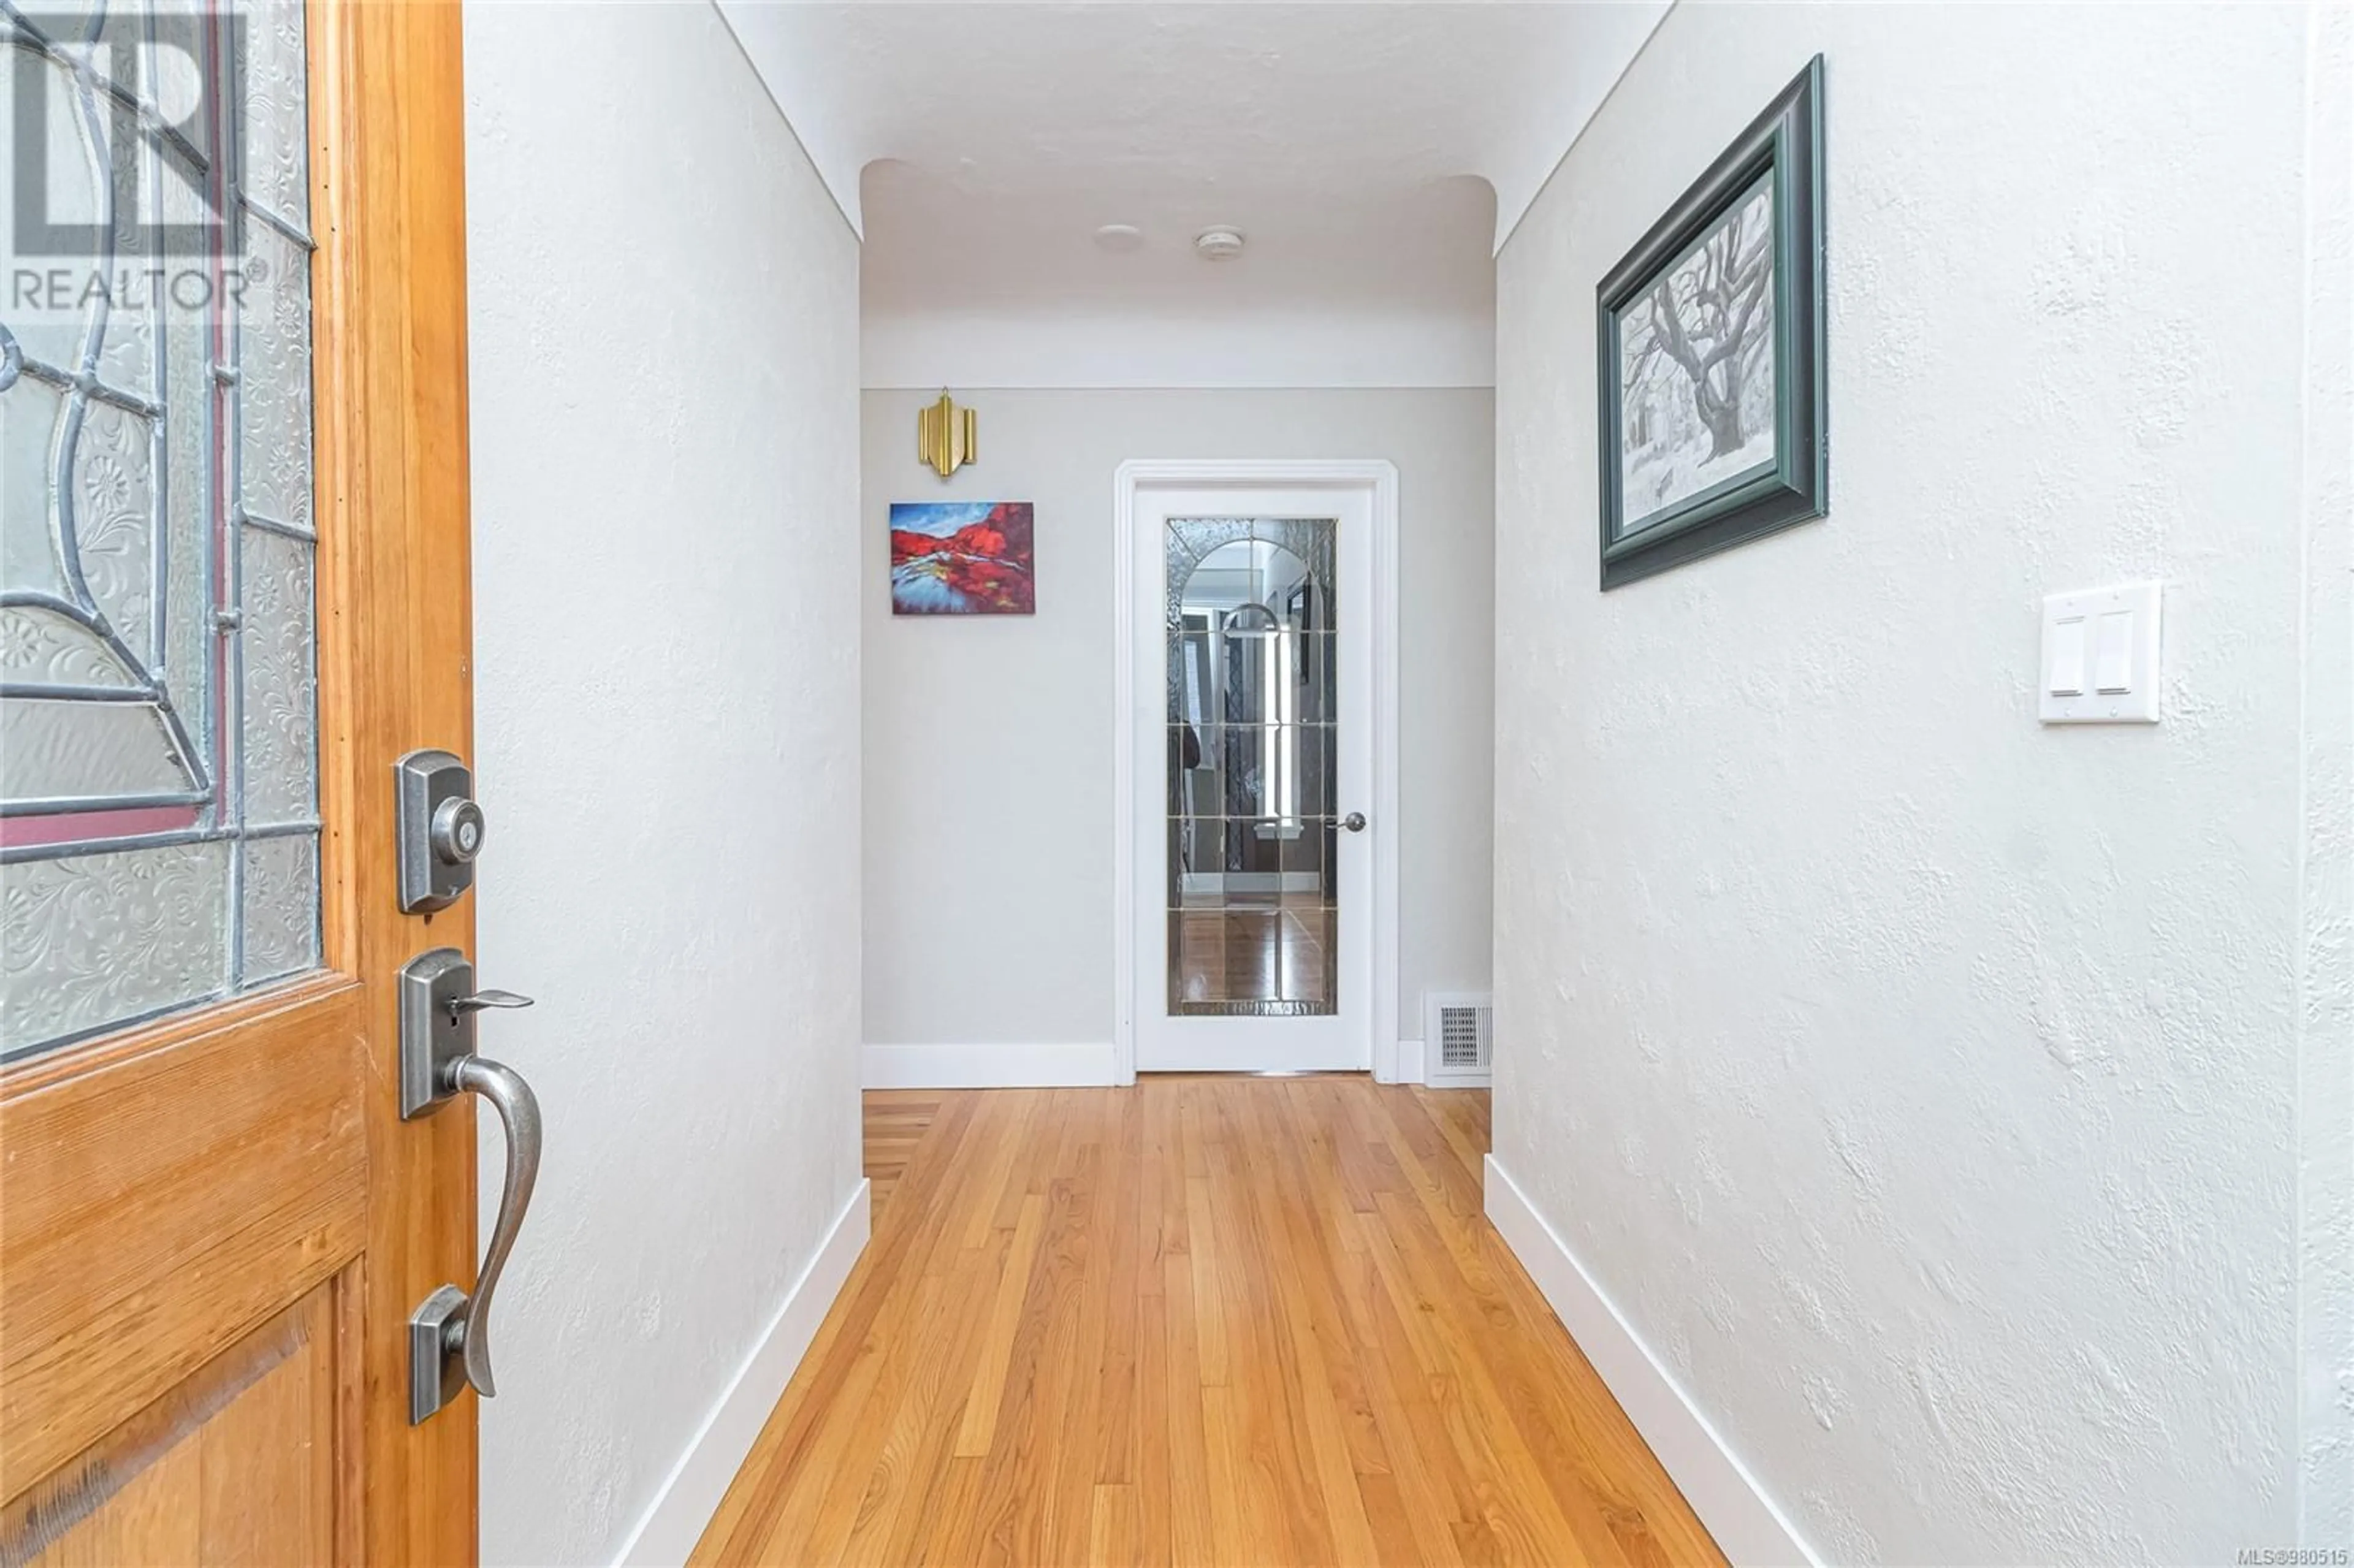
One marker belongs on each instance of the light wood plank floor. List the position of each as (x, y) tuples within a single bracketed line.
[(1202, 1321), (897, 1120)]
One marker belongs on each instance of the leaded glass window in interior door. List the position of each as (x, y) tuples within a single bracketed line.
[(159, 834), (1253, 887)]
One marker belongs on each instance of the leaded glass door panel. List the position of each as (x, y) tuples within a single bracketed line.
[(1252, 873), (230, 594), (159, 829)]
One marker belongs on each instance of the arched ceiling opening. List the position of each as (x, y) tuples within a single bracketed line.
[(1375, 156)]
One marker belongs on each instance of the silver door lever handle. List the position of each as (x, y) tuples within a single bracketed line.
[(518, 1110), (450, 1332), (482, 998)]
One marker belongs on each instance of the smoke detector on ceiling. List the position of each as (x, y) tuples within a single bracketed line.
[(1218, 244), (1119, 237)]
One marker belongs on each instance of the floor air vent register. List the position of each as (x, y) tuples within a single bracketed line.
[(1458, 1040)]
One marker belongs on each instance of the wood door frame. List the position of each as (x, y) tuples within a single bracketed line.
[(289, 1169), (1379, 478), (396, 659)]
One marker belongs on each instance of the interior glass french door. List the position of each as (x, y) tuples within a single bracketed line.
[(159, 826), (1251, 895)]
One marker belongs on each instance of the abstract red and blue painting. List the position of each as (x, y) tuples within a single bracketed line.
[(961, 557)]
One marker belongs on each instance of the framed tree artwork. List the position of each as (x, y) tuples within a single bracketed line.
[(1712, 362)]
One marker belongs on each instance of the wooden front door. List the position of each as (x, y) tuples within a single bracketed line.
[(237, 590)]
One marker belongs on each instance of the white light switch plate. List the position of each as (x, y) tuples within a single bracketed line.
[(2100, 656)]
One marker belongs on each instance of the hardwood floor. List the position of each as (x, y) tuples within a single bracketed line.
[(897, 1120), (1202, 1321)]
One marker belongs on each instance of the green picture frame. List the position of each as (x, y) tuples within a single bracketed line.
[(1711, 355)]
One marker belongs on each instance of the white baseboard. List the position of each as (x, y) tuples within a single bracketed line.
[(691, 1493), (1412, 1065), (989, 1066), (1748, 1525), (1403, 1068)]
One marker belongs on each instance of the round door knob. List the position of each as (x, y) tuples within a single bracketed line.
[(1354, 821), (457, 831)]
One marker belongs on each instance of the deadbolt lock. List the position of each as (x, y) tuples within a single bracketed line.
[(440, 830), (457, 831)]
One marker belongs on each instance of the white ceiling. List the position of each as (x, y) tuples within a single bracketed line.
[(977, 145)]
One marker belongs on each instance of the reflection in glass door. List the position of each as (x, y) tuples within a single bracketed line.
[(1253, 891)]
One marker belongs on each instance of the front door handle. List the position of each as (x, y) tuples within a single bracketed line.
[(450, 1332), (518, 1110)]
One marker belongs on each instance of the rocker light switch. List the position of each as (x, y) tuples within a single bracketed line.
[(2100, 656), (2112, 670), (2067, 640)]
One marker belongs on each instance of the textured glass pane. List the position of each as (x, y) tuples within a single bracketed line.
[(113, 518), (55, 327), (32, 422), (97, 749), (189, 502), (274, 379), (68, 21), (120, 53), (40, 646), (277, 164), (281, 907), (280, 703), (1188, 540), (177, 91), (101, 938), (126, 356)]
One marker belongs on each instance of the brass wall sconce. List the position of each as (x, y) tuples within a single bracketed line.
[(947, 436)]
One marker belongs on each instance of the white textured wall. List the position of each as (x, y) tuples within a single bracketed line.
[(988, 740), (664, 308), (1932, 1090)]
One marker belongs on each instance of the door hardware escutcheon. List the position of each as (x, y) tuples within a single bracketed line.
[(441, 828), (450, 1332)]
